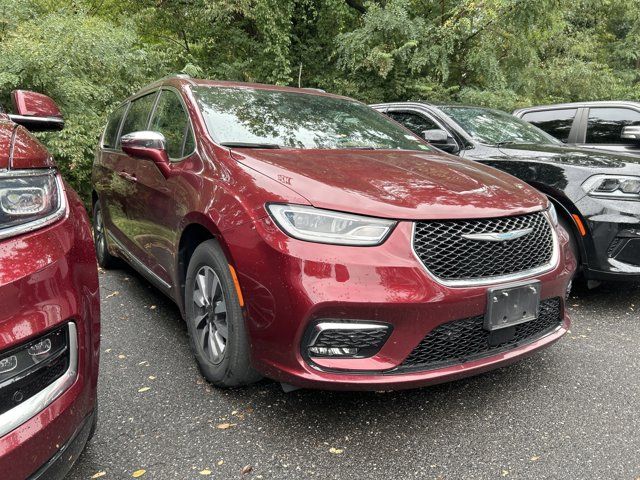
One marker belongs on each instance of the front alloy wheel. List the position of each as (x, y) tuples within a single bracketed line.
[(215, 319), (211, 314)]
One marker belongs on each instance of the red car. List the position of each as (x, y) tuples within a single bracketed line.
[(310, 239), (50, 316)]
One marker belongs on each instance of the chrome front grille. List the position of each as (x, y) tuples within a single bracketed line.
[(454, 250)]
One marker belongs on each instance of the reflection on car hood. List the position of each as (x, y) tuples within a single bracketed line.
[(570, 155), (395, 184)]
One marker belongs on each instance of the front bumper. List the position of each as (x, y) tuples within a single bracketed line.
[(612, 243), (48, 278), (289, 285)]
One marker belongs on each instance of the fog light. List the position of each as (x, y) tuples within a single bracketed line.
[(346, 339), (333, 352)]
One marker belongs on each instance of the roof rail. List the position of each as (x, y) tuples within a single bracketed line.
[(183, 76)]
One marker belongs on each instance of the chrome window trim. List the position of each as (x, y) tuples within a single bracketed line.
[(479, 282), (12, 419), (40, 222)]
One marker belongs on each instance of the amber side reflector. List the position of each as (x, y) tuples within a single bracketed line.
[(579, 224), (237, 284)]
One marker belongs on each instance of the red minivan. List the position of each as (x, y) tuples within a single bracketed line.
[(308, 238), (50, 315)]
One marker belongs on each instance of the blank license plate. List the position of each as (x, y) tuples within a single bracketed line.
[(511, 305)]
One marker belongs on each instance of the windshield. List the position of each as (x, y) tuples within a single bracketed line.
[(493, 127), (247, 117)]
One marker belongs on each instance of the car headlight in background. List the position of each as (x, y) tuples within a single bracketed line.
[(620, 187), (29, 200), (326, 226)]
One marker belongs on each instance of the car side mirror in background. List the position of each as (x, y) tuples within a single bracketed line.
[(631, 132), (441, 139), (147, 145), (35, 111)]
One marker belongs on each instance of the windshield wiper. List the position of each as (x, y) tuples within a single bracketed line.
[(505, 142), (249, 145)]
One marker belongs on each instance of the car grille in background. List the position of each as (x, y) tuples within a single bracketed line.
[(445, 253), (463, 340), (33, 376)]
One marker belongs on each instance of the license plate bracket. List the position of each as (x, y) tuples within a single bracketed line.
[(512, 304)]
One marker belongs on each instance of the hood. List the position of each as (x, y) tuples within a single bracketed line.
[(395, 184), (574, 156), (19, 149)]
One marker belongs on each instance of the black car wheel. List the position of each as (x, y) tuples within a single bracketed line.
[(215, 319), (105, 259)]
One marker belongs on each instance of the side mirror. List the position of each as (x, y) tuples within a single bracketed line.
[(149, 146), (631, 132), (442, 140), (35, 111)]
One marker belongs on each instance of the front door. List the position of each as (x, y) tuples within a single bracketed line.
[(126, 180), (159, 209)]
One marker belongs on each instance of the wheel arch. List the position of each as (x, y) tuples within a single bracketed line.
[(196, 229), (566, 210)]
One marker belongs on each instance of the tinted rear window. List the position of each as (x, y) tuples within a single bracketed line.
[(555, 122), (605, 124)]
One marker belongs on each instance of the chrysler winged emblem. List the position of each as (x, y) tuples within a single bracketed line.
[(497, 236)]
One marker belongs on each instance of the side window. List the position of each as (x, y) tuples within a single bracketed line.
[(110, 137), (171, 120), (605, 124), (413, 121), (137, 117), (556, 123)]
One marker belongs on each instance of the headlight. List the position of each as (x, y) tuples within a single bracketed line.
[(326, 226), (28, 201), (553, 214), (613, 186)]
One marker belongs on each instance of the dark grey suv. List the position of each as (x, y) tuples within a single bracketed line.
[(611, 125)]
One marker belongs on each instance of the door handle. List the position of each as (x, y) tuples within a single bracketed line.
[(128, 176)]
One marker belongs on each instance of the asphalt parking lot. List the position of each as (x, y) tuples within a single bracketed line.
[(571, 411)]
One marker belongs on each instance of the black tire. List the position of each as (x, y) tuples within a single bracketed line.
[(215, 319), (105, 259), (94, 423)]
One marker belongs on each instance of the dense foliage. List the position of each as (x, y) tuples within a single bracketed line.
[(89, 54)]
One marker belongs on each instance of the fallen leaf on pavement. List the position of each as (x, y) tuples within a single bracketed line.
[(336, 451), (144, 389), (535, 458), (206, 471), (99, 474), (246, 469), (138, 473), (113, 294), (224, 426)]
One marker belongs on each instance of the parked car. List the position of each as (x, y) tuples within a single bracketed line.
[(595, 193), (50, 316), (310, 239), (601, 125)]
